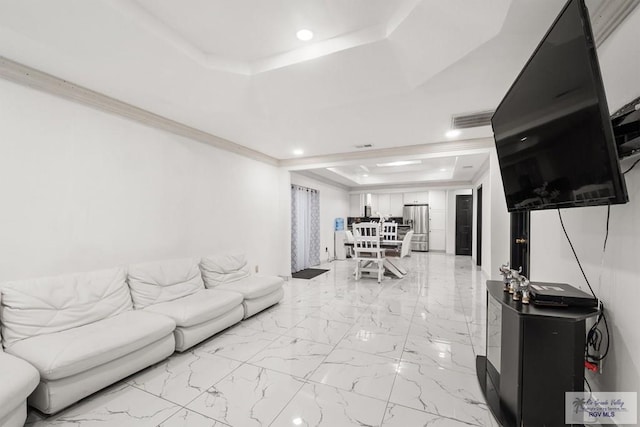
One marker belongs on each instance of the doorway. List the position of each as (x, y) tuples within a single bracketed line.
[(464, 224), (479, 226), (305, 228)]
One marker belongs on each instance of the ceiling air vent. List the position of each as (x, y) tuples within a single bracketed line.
[(364, 146), (465, 121)]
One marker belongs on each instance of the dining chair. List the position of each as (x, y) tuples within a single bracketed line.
[(349, 239), (367, 250), (405, 248), (389, 231)]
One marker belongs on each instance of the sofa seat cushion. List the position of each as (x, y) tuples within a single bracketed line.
[(19, 379), (197, 308), (254, 286), (76, 350)]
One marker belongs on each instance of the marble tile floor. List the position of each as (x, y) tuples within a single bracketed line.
[(335, 352)]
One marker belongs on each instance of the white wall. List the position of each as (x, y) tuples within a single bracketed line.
[(495, 219), (334, 203), (451, 218), (551, 258), (437, 200), (83, 190), (284, 219), (499, 219), (484, 181)]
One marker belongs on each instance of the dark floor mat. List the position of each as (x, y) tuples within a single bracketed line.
[(308, 273)]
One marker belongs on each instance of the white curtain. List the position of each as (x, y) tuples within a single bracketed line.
[(305, 228)]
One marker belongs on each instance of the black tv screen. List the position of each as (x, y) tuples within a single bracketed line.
[(552, 130)]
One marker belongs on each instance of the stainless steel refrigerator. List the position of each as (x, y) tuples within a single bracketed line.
[(417, 217)]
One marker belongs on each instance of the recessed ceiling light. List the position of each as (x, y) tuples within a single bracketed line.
[(452, 133), (304, 35), (298, 152), (399, 163), (443, 170), (365, 175)]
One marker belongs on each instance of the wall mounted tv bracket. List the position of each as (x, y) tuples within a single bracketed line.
[(626, 128)]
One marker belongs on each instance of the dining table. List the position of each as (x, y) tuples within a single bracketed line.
[(393, 268)]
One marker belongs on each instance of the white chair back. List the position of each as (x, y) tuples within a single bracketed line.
[(406, 244), (369, 256), (366, 237), (389, 231), (349, 236)]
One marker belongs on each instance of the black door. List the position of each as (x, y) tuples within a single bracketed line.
[(464, 220), (479, 226)]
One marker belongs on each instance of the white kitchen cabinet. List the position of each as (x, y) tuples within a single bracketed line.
[(438, 199), (437, 240), (374, 204), (437, 219), (437, 222), (417, 197), (396, 202), (356, 205), (383, 205)]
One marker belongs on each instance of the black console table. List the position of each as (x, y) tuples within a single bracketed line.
[(534, 355)]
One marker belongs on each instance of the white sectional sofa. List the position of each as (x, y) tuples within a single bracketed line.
[(18, 380), (81, 333), (231, 273), (175, 289)]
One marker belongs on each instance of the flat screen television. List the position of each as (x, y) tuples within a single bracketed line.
[(553, 134)]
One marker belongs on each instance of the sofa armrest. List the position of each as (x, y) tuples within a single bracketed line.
[(19, 379)]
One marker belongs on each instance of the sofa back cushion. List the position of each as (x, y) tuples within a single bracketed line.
[(156, 282), (53, 304), (219, 269)]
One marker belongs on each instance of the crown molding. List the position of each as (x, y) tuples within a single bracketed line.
[(321, 179), (35, 79), (608, 15), (39, 80)]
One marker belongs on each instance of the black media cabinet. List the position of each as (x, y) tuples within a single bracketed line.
[(534, 355)]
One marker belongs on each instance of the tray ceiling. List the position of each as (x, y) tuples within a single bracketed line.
[(379, 73)]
